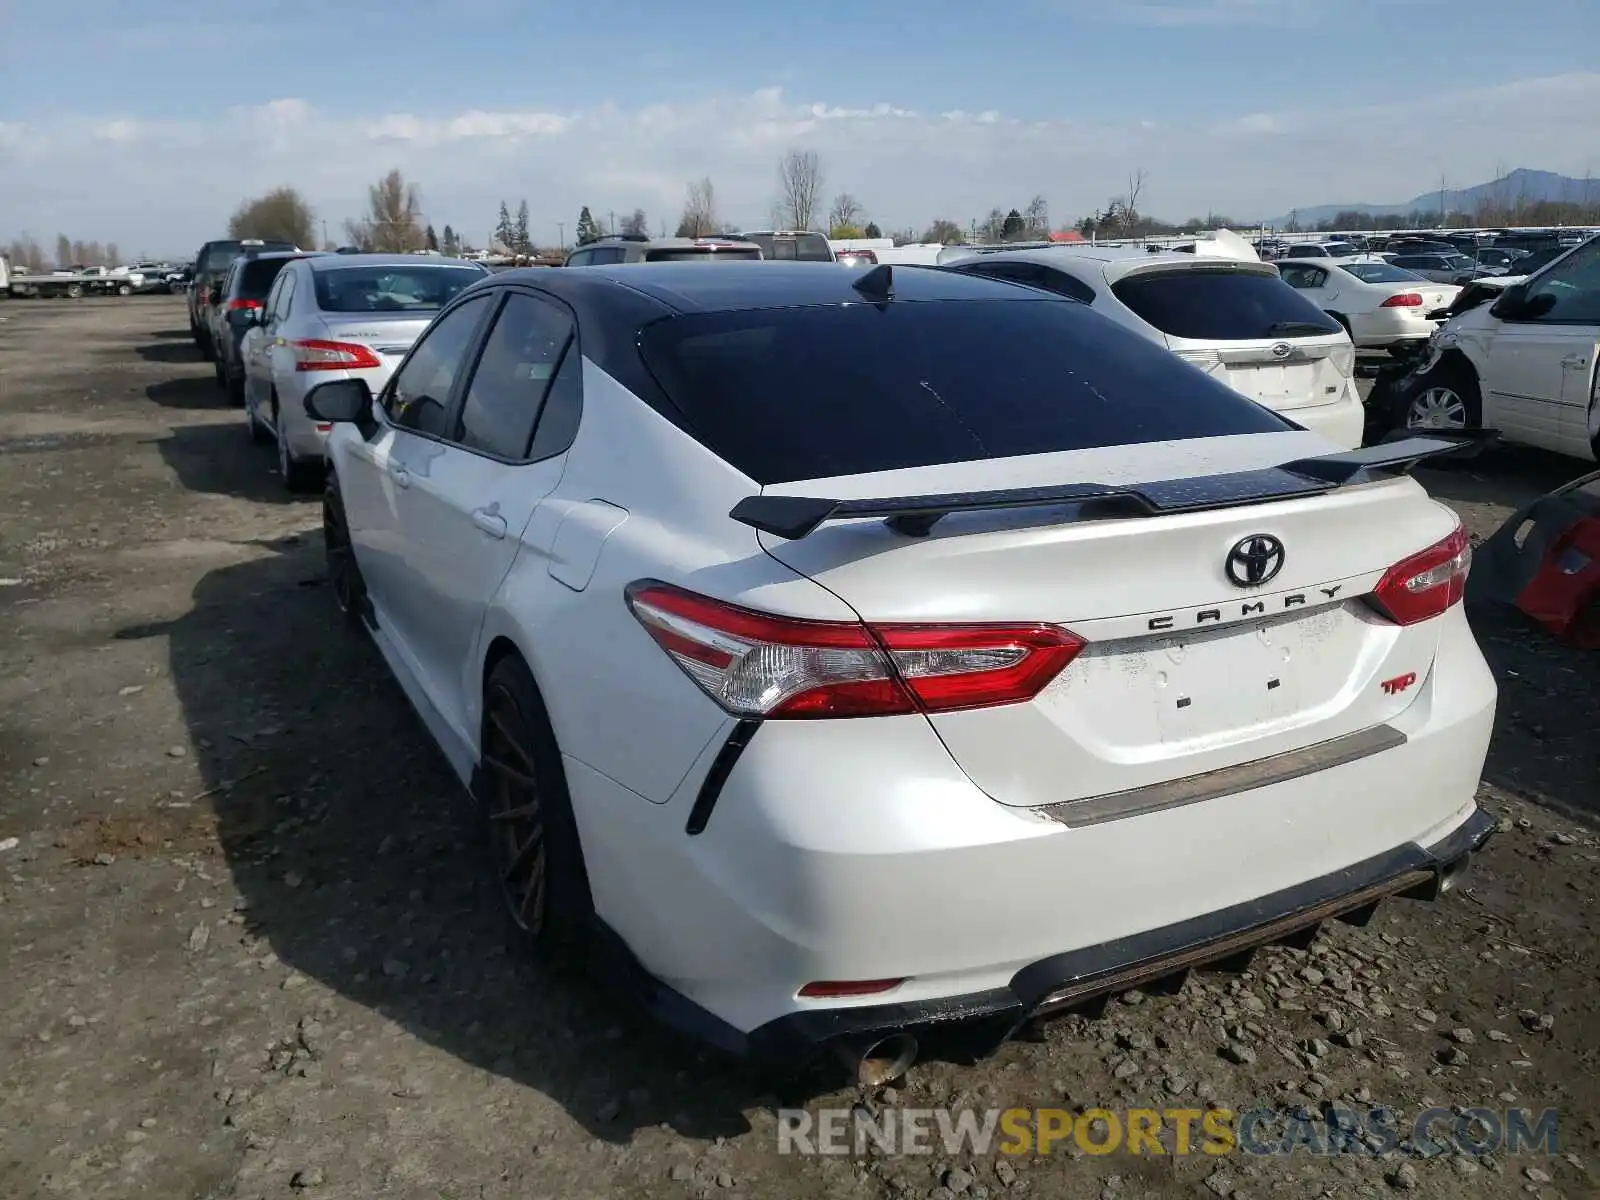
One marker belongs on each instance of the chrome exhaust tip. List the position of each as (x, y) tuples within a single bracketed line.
[(880, 1063)]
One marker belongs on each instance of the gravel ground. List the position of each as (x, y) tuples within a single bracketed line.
[(249, 951)]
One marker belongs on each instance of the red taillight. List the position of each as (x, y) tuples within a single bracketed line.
[(1403, 300), (757, 665), (236, 305), (834, 988), (1427, 583), (315, 354)]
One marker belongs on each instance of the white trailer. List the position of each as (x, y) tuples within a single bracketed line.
[(85, 281)]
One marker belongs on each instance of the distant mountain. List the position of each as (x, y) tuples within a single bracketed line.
[(1521, 185)]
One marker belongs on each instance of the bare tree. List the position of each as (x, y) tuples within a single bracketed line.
[(699, 217), (280, 215), (845, 213), (393, 223), (943, 231), (26, 252), (113, 256), (636, 224), (63, 250), (800, 180), (1131, 204), (1036, 217)]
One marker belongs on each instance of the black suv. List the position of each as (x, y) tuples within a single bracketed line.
[(209, 267), (235, 303)]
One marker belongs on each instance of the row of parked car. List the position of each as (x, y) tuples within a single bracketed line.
[(275, 320)]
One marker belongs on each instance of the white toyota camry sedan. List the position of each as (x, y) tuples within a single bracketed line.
[(854, 657)]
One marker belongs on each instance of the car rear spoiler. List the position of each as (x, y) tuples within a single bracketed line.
[(794, 517)]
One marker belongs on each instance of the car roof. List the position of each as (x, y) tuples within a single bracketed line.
[(337, 262), (1115, 262), (689, 287)]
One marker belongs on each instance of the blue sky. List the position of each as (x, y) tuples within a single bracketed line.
[(1247, 107)]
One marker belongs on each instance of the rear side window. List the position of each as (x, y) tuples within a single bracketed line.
[(256, 277), (520, 358), (1034, 275), (1222, 305), (804, 393), (703, 256)]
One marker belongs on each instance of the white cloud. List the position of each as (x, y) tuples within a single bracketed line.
[(165, 185)]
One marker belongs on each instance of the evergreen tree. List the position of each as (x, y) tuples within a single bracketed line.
[(450, 244), (430, 239), (872, 230), (504, 232), (588, 228), (523, 243)]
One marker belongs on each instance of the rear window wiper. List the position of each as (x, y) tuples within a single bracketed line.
[(793, 517), (1298, 327)]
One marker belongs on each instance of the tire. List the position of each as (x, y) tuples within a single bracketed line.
[(219, 374), (75, 291), (207, 352), (124, 290), (259, 434), (533, 837), (298, 476), (1446, 398), (235, 386), (344, 573)]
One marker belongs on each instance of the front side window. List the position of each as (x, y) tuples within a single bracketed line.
[(419, 396), (1569, 292), (520, 358)]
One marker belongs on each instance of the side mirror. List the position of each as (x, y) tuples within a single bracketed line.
[(339, 400), (1512, 304)]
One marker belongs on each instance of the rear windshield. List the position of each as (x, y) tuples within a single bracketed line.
[(1380, 273), (391, 288), (802, 247), (219, 254), (804, 393), (702, 255), (1222, 306), (258, 276)]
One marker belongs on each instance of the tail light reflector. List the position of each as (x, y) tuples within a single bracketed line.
[(1403, 300), (1426, 584), (833, 988), (755, 664), (316, 354), (236, 305)]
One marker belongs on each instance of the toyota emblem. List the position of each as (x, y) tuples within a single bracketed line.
[(1282, 350), (1254, 560)]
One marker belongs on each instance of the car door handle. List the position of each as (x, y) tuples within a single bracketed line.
[(1574, 361), (491, 523), (400, 475)]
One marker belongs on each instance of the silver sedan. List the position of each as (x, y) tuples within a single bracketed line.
[(337, 316)]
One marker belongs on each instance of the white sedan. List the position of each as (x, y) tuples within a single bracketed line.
[(774, 616), (1381, 305)]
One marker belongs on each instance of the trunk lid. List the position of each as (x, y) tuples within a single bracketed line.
[(1185, 672), (389, 335), (1283, 374)]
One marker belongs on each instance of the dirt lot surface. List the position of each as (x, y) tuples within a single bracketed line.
[(248, 947)]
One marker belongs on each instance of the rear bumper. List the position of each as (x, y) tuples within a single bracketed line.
[(980, 1022), (1341, 423), (1384, 326)]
